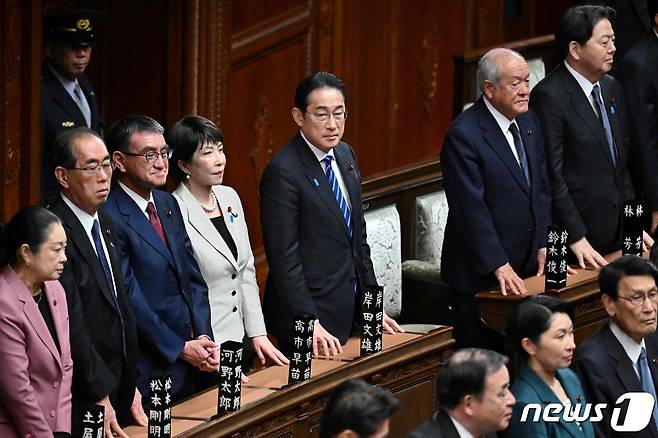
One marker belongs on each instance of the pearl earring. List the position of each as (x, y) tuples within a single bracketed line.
[(187, 176)]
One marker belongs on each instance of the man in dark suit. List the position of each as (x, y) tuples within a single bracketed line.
[(475, 397), (313, 230), (103, 330), (495, 181), (621, 357), (171, 303), (67, 98), (639, 79), (582, 116)]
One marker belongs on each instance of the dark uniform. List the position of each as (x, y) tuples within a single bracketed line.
[(58, 109)]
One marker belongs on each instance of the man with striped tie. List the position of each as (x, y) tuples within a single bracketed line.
[(313, 226)]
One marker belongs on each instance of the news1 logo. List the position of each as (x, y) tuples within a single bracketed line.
[(638, 412)]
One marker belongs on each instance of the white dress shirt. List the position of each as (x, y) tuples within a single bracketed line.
[(632, 348), (586, 86), (504, 124), (461, 430), (319, 154), (87, 222), (141, 202)]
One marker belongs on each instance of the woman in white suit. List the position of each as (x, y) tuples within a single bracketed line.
[(214, 220)]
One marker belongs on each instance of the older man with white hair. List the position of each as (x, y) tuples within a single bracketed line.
[(495, 180)]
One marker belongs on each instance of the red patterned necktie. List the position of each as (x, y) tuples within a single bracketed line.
[(155, 221)]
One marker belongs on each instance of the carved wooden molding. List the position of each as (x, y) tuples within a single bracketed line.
[(261, 151), (217, 60), (12, 163), (429, 64)]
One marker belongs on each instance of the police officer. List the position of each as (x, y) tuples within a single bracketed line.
[(67, 98)]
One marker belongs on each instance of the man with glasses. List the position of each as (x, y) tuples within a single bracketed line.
[(171, 302), (102, 324), (621, 356), (313, 227), (583, 120)]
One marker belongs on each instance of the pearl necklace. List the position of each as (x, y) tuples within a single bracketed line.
[(213, 206)]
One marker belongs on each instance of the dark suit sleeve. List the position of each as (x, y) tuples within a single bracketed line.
[(543, 201), (364, 250), (641, 98), (465, 192), (528, 428), (198, 286), (91, 375), (548, 111), (593, 383), (153, 331), (280, 211)]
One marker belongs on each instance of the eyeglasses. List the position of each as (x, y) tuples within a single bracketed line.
[(107, 167), (339, 116), (152, 156), (640, 299)]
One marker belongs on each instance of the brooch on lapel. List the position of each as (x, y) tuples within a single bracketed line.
[(315, 181), (350, 167), (613, 106), (529, 131), (231, 214), (68, 124)]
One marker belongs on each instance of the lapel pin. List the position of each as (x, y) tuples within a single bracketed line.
[(579, 398), (68, 124), (231, 214), (54, 302), (169, 213), (350, 167), (529, 131), (613, 106), (315, 181)]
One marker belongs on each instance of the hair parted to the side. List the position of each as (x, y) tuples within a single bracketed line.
[(118, 136), (611, 274), (31, 226), (577, 24), (314, 82), (186, 136)]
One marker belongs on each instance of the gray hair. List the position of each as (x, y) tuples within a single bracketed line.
[(489, 66)]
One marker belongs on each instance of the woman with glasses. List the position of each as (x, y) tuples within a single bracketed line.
[(36, 365), (541, 330), (215, 221)]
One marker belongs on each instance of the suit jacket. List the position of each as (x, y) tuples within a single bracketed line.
[(606, 372), (98, 327), (232, 288), (439, 426), (59, 112), (588, 189), (637, 75), (169, 297), (530, 388), (35, 382), (313, 262), (494, 217)]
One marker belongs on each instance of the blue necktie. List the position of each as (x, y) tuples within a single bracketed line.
[(95, 233), (647, 381), (606, 123), (520, 150), (333, 182)]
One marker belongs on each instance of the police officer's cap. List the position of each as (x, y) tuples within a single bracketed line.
[(74, 28)]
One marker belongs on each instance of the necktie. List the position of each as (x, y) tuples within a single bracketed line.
[(647, 381), (520, 150), (338, 194), (95, 233), (603, 114), (82, 104), (155, 221)]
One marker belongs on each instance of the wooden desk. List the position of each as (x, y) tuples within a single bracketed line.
[(409, 366), (582, 292)]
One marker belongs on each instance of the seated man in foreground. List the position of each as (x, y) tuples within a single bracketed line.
[(474, 392), (620, 357)]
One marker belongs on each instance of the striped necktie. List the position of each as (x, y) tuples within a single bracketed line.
[(338, 194)]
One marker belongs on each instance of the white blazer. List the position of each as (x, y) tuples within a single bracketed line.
[(232, 289)]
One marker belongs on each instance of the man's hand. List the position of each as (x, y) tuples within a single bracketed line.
[(197, 351), (264, 348), (585, 253), (390, 325), (211, 364), (541, 261), (654, 221), (137, 410), (111, 425), (508, 280), (329, 344), (647, 241)]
